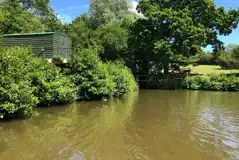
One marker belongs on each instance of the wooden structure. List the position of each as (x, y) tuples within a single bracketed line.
[(45, 45)]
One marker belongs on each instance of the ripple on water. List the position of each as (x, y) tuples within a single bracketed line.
[(162, 125), (216, 131)]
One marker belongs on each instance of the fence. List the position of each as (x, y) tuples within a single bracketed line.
[(45, 53)]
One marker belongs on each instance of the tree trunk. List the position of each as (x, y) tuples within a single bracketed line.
[(166, 68)]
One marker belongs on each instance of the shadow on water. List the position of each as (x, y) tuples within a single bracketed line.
[(59, 132), (177, 124)]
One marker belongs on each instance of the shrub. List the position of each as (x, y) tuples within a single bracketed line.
[(235, 52), (227, 61), (122, 77), (27, 81), (96, 79), (91, 76), (54, 91), (206, 59), (57, 58), (52, 86), (212, 82), (17, 100)]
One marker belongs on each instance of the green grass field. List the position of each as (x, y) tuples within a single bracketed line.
[(211, 69)]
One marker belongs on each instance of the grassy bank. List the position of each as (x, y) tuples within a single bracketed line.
[(210, 69), (202, 77)]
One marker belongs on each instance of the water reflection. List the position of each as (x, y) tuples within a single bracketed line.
[(217, 128), (153, 125)]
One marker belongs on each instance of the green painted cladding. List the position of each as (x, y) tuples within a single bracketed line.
[(62, 45), (56, 44), (50, 42)]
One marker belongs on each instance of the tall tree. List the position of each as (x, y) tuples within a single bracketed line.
[(235, 52), (81, 33), (38, 7), (110, 39), (111, 12), (44, 12), (28, 16), (177, 27), (113, 39), (14, 18)]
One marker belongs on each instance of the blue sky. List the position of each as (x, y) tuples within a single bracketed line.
[(69, 9)]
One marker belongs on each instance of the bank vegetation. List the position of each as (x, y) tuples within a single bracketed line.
[(113, 45)]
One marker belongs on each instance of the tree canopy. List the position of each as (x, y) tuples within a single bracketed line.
[(111, 12), (177, 27), (167, 32), (25, 16), (14, 18)]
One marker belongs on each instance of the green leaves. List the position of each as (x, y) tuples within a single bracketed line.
[(177, 27), (123, 78), (229, 59), (26, 16), (110, 39), (27, 81), (90, 75), (81, 33), (16, 19), (212, 82), (17, 99), (96, 79), (113, 39), (108, 12)]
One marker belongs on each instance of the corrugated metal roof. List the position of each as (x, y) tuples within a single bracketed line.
[(28, 34), (31, 34)]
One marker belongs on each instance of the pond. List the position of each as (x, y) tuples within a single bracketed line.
[(149, 125)]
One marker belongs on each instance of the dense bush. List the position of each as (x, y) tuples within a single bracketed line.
[(205, 82), (206, 59), (17, 99), (27, 81), (227, 60), (57, 58), (52, 86), (235, 52), (96, 79), (91, 76), (212, 82), (122, 77)]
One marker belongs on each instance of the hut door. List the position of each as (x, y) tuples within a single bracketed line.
[(63, 47)]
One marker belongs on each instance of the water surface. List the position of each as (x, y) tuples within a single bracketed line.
[(150, 125)]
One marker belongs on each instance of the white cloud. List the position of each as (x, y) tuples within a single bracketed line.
[(71, 7), (134, 4), (86, 6), (65, 18), (67, 14)]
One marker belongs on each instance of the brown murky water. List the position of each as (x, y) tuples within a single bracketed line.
[(151, 125)]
